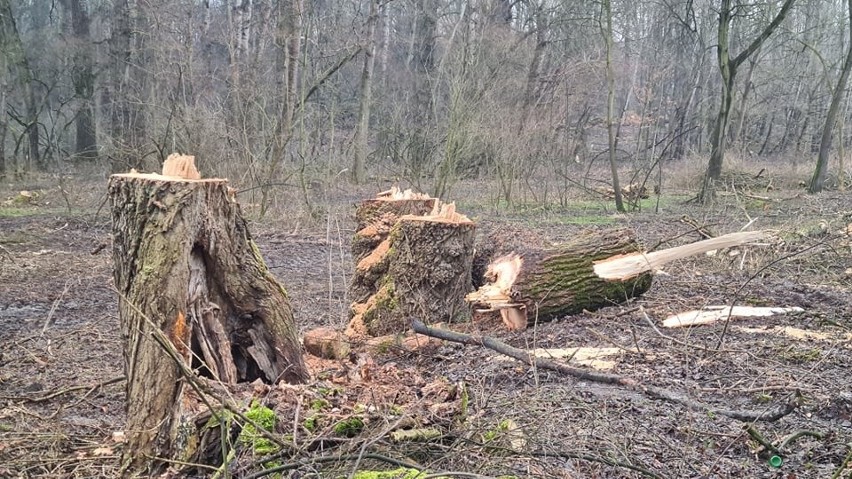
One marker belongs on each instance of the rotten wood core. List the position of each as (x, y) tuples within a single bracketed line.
[(185, 264), (422, 266)]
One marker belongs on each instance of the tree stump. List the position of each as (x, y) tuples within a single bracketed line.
[(185, 265), (374, 220), (422, 268)]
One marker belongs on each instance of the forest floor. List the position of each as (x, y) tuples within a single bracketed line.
[(61, 366)]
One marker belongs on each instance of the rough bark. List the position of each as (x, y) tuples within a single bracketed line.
[(422, 268), (551, 283), (594, 270), (185, 265)]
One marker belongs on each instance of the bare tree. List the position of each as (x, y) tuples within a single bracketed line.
[(19, 65), (82, 78), (606, 30), (365, 97), (818, 179), (728, 69)]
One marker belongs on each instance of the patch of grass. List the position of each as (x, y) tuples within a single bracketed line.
[(17, 212), (319, 404), (310, 424), (801, 355)]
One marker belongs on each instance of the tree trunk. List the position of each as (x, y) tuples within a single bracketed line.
[(19, 65), (363, 127), (610, 105), (542, 285), (127, 120), (421, 103), (592, 271), (375, 218), (421, 267), (736, 134), (83, 79), (186, 266), (818, 179), (4, 122), (728, 69)]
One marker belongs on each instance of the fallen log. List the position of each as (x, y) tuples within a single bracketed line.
[(186, 269), (422, 267), (594, 270)]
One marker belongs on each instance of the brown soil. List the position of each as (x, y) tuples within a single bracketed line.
[(61, 400)]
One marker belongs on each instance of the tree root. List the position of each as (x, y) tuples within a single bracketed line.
[(653, 392)]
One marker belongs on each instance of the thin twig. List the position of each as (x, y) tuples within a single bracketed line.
[(750, 279), (797, 435)]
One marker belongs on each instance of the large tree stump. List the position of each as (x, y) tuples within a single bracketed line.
[(422, 268), (185, 264), (594, 270)]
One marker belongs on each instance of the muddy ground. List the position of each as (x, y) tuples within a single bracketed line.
[(61, 388)]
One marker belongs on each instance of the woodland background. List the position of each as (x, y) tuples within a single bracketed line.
[(429, 92)]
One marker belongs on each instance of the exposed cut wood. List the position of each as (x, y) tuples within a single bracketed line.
[(549, 283), (798, 333), (374, 219), (711, 314), (630, 265), (420, 265), (327, 343), (595, 358), (633, 191), (185, 264), (181, 166)]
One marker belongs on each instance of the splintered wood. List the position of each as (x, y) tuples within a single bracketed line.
[(413, 257), (181, 166), (712, 314), (629, 265)]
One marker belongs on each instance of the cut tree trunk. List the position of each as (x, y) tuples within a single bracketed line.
[(186, 266), (595, 270), (421, 268)]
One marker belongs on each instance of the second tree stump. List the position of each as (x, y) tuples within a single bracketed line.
[(422, 268)]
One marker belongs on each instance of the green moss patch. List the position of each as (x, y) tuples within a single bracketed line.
[(250, 436)]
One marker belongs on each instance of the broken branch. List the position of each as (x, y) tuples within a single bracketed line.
[(653, 392)]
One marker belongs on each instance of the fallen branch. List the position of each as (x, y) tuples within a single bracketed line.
[(604, 378)]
